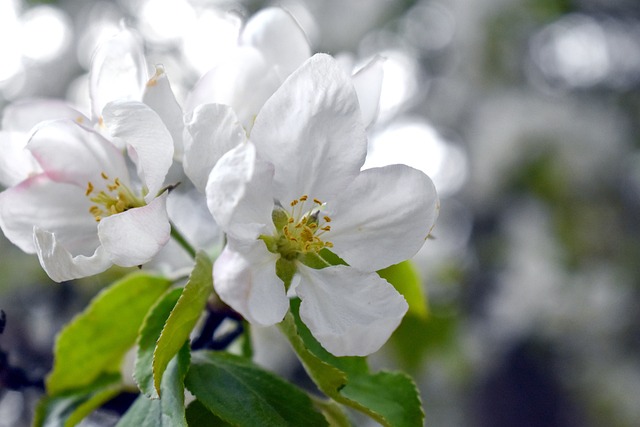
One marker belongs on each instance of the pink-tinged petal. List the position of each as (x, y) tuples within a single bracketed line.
[(244, 82), (143, 130), (23, 115), (62, 209), (70, 153), (276, 33), (311, 130), (16, 162), (58, 262), (133, 237), (349, 312), (368, 84), (383, 217), (247, 282), (239, 193), (118, 71), (213, 129), (159, 96)]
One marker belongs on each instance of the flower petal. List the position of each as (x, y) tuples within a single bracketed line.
[(188, 211), (311, 130), (214, 129), (133, 237), (141, 127), (279, 37), (62, 209), (368, 84), (349, 312), (60, 265), (247, 282), (73, 154), (239, 193), (118, 71), (23, 115), (16, 162), (383, 217), (244, 82), (159, 96)]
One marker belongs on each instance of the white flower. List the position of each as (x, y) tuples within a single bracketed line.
[(296, 191), (82, 213)]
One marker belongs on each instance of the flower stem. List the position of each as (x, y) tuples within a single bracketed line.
[(182, 241)]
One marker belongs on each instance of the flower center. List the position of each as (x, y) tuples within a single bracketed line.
[(299, 230), (116, 198)]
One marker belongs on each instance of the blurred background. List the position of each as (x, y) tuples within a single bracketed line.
[(525, 113)]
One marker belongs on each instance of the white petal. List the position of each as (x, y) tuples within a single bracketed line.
[(214, 130), (60, 265), (349, 312), (384, 217), (244, 82), (239, 193), (71, 153), (311, 130), (368, 84), (142, 129), (62, 209), (188, 211), (118, 71), (247, 282), (159, 96), (133, 237), (16, 162), (23, 115), (279, 37)]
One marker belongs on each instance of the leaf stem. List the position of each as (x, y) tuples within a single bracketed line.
[(179, 238)]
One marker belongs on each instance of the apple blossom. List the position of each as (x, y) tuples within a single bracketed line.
[(294, 192), (82, 212)]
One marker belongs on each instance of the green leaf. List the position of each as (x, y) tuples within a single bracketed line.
[(405, 278), (199, 416), (70, 407), (97, 339), (168, 411), (390, 398), (147, 339), (243, 394), (184, 316)]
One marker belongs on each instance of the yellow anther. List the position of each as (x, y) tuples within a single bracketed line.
[(303, 229), (115, 199), (328, 244), (80, 119), (306, 234)]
